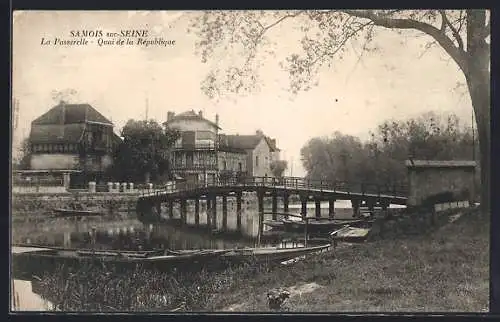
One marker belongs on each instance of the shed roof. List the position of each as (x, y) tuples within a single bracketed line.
[(440, 164)]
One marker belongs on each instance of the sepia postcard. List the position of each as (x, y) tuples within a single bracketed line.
[(251, 161)]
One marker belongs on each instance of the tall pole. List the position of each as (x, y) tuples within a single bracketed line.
[(473, 157), (473, 139)]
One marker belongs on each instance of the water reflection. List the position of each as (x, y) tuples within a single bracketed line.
[(135, 237), (25, 298)]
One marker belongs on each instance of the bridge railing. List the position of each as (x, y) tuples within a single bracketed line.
[(394, 189)]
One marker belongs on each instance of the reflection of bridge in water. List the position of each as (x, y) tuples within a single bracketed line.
[(150, 203)]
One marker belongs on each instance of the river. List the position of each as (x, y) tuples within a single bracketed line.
[(127, 234)]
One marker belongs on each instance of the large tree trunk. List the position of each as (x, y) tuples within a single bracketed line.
[(478, 82), (479, 88)]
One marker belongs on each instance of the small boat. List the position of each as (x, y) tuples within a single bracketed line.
[(317, 226), (60, 212), (274, 224), (350, 234), (41, 258), (269, 254)]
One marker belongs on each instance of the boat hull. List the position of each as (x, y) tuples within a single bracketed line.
[(32, 263), (269, 255), (75, 213), (322, 227)]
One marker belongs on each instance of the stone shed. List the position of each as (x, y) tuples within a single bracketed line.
[(428, 179)]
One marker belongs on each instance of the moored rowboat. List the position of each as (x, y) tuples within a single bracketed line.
[(269, 254), (60, 212), (39, 259), (317, 226)]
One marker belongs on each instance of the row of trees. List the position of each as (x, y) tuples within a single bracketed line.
[(329, 34), (381, 159)]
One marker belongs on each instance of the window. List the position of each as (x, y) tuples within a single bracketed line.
[(256, 160), (224, 165), (240, 167)]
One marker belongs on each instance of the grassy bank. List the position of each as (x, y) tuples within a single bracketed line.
[(445, 270)]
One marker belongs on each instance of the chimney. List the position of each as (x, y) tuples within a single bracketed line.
[(200, 113), (170, 115), (217, 119), (259, 133)]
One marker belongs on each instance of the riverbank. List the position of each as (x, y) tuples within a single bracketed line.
[(446, 270)]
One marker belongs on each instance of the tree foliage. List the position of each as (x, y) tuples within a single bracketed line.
[(381, 159), (144, 153), (242, 36), (278, 168)]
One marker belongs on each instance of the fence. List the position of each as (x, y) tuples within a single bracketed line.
[(44, 182), (291, 183)]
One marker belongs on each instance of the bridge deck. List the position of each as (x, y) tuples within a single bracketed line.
[(338, 190)]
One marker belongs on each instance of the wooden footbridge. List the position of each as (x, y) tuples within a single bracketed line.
[(370, 195)]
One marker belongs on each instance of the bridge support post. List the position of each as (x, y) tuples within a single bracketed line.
[(213, 204), (197, 212), (371, 207), (355, 207), (303, 201), (286, 202), (318, 208), (183, 211), (224, 213), (260, 200), (331, 208), (238, 211), (209, 212), (385, 205), (275, 207), (171, 209), (158, 209)]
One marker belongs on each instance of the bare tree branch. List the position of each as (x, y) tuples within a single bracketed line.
[(456, 53), (266, 28), (457, 36)]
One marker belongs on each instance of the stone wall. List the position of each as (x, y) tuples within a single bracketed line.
[(38, 189), (34, 204)]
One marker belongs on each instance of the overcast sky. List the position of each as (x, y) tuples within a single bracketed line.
[(351, 97)]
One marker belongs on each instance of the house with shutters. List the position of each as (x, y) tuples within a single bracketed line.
[(73, 142), (202, 154), (259, 150)]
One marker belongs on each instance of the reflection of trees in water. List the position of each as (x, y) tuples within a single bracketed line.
[(146, 237)]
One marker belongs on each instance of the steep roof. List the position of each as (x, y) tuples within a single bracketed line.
[(246, 142), (65, 113), (56, 133), (190, 115), (272, 144)]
